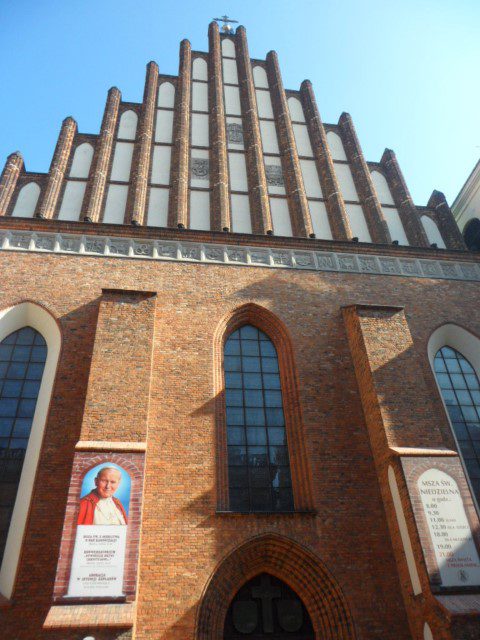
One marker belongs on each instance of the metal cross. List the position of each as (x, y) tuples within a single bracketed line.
[(226, 28), (266, 593)]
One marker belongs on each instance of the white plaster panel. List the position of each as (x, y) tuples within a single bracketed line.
[(12, 319), (82, 159), (276, 162), (27, 201), (296, 109), (260, 77), (395, 225), (269, 136), (282, 225), (230, 70), (241, 218), (161, 165), (157, 215), (72, 200), (200, 130), (304, 148), (235, 145), (228, 48), (199, 69), (164, 126), (232, 101), (432, 231), (358, 223), (264, 104), (402, 525), (381, 187), (127, 128), (200, 181), (320, 223), (336, 146), (238, 172), (166, 95), (200, 210), (199, 96), (122, 161), (310, 179), (115, 205), (427, 632), (345, 180)]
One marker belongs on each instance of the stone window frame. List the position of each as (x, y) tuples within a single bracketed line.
[(12, 318), (265, 321)]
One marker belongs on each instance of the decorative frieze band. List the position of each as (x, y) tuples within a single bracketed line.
[(245, 256)]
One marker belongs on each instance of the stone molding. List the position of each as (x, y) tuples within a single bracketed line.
[(217, 253)]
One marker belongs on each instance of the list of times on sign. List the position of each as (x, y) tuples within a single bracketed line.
[(455, 550)]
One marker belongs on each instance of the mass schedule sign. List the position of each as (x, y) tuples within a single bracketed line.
[(446, 520), (455, 551)]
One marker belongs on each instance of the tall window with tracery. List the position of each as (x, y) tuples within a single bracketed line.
[(258, 461), (22, 360), (461, 392)]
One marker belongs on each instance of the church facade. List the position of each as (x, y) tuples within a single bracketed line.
[(239, 376)]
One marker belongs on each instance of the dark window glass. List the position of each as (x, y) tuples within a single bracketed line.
[(258, 463), (22, 360), (265, 607), (459, 385)]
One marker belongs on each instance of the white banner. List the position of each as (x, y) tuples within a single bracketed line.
[(98, 561), (453, 544)]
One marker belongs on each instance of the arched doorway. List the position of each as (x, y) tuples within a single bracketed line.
[(290, 567), (266, 607)]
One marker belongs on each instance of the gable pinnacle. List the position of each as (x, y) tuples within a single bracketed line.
[(226, 28)]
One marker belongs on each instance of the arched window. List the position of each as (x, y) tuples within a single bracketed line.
[(22, 359), (460, 389), (258, 460), (471, 233)]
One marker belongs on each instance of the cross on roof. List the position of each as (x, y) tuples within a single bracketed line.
[(226, 28)]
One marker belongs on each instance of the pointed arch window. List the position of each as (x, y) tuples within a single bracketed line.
[(22, 360), (258, 460), (460, 389)]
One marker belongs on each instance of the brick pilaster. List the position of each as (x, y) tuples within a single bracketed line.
[(403, 200), (101, 159), (218, 137), (401, 422), (118, 392), (297, 198), (143, 148), (8, 181), (49, 197), (443, 216), (178, 205), (376, 222), (257, 180), (334, 203)]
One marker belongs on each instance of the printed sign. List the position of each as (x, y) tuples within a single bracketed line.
[(446, 519), (99, 554), (99, 551), (455, 551)]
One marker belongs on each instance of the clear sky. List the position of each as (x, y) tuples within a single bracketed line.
[(406, 70)]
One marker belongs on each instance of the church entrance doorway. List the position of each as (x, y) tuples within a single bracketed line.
[(267, 608)]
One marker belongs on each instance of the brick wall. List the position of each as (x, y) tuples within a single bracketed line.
[(183, 539)]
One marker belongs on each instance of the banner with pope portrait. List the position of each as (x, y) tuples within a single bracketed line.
[(102, 523)]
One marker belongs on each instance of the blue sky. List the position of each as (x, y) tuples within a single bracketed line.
[(407, 71)]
